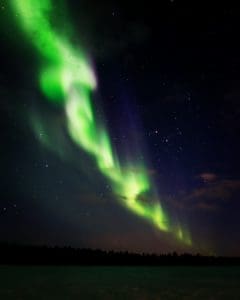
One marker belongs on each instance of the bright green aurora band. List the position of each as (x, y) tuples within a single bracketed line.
[(68, 78)]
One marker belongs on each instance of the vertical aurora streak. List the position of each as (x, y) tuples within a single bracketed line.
[(68, 79)]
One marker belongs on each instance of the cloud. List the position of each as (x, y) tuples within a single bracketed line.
[(209, 197), (207, 177), (217, 190), (206, 206)]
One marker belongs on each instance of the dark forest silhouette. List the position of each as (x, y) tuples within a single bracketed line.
[(44, 255)]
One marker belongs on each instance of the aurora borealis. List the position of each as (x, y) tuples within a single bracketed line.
[(67, 77), (124, 123)]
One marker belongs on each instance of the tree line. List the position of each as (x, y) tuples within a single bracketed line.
[(45, 255)]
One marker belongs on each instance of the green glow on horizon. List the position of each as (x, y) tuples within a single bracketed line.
[(67, 78)]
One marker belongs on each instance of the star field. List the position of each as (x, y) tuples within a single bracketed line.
[(168, 90)]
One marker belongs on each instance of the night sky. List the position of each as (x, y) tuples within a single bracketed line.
[(168, 92)]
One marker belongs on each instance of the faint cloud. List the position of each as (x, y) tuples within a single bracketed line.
[(206, 206), (210, 197), (152, 171), (221, 189), (207, 177)]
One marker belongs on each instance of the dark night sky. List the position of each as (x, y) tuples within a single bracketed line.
[(169, 80)]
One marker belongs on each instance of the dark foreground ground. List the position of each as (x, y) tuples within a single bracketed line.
[(68, 282)]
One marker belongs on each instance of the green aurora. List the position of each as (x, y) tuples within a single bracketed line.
[(67, 79)]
